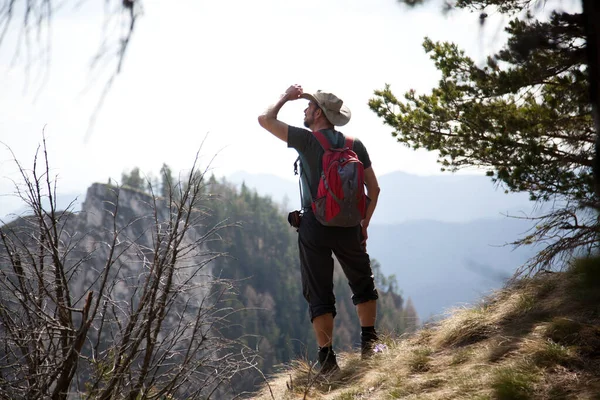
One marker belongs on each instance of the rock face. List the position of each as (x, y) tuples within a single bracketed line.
[(140, 227)]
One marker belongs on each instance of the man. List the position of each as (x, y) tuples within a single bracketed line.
[(317, 242)]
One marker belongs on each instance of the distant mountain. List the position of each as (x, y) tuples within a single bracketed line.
[(441, 265), (448, 198), (405, 197)]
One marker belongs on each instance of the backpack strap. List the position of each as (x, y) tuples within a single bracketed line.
[(322, 140), (349, 143)]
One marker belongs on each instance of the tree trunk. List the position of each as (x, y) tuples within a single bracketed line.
[(591, 13)]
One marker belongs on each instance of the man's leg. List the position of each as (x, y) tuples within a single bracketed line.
[(323, 326), (357, 267), (316, 266), (367, 313)]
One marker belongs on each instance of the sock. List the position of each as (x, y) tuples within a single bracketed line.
[(327, 356), (367, 333)]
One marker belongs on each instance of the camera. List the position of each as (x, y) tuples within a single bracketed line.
[(294, 218)]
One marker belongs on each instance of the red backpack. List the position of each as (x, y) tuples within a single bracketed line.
[(341, 199)]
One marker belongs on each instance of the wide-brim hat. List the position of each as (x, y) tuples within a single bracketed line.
[(333, 107)]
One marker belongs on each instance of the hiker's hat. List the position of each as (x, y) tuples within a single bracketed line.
[(333, 107)]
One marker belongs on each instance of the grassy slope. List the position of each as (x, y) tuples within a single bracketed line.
[(537, 339)]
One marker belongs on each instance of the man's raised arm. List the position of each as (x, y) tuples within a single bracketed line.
[(268, 119)]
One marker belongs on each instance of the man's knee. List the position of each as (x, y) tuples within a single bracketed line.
[(365, 296), (321, 309), (363, 289)]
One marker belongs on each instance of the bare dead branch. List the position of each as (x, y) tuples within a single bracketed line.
[(125, 309)]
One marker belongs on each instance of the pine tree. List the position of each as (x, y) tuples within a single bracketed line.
[(524, 117), (133, 180), (167, 181), (411, 319)]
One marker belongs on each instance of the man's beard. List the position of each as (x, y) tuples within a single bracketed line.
[(308, 120)]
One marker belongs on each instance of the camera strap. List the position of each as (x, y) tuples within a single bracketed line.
[(299, 170)]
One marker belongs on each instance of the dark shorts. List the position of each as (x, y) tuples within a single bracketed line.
[(316, 244)]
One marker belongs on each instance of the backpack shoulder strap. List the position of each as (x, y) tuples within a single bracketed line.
[(349, 142), (322, 140)]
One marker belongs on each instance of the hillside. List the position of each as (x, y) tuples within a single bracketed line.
[(538, 338)]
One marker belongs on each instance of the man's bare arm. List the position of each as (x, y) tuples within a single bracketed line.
[(268, 119), (373, 191)]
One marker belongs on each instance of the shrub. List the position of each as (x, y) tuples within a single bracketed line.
[(512, 383)]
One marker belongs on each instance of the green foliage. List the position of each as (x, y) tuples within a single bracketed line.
[(133, 179), (263, 261), (512, 383), (420, 359), (552, 353), (504, 6), (586, 273), (524, 117), (389, 283), (165, 186), (167, 181)]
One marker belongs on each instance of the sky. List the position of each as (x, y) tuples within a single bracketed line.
[(202, 71)]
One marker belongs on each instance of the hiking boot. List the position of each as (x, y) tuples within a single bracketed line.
[(327, 361), (367, 343)]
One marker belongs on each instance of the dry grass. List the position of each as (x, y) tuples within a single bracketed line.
[(463, 327), (513, 383), (461, 356), (419, 360), (539, 338)]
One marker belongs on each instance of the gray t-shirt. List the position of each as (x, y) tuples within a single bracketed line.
[(310, 151)]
